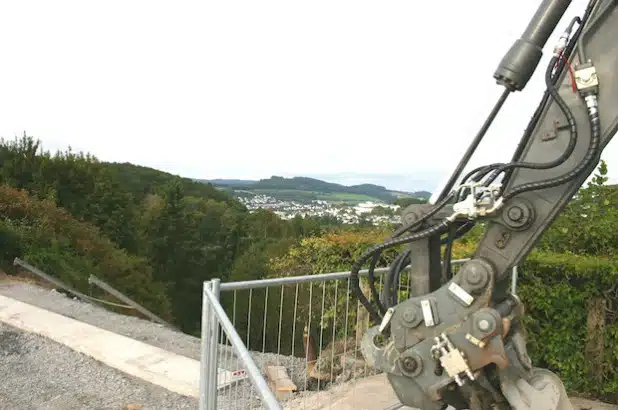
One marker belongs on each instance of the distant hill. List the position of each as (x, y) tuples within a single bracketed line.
[(422, 194), (141, 181), (228, 182), (305, 189)]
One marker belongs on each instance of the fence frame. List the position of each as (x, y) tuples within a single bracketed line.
[(55, 281), (93, 280), (214, 316)]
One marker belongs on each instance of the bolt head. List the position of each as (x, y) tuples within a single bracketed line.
[(484, 325), (473, 277), (515, 213), (409, 364), (409, 315)]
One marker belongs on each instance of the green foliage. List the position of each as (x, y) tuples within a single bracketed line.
[(55, 242), (406, 202), (382, 211), (78, 183), (588, 224), (142, 181), (324, 308), (556, 289)]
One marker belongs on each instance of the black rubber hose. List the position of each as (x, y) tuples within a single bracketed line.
[(390, 297), (562, 64), (499, 168), (401, 230), (484, 170), (591, 154), (551, 88), (372, 284), (390, 281), (437, 207), (448, 252), (354, 278)]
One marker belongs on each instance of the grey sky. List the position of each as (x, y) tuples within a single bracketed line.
[(248, 89)]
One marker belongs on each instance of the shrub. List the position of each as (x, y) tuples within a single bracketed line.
[(49, 238), (559, 291)]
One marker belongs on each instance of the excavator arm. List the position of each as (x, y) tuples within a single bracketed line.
[(456, 340)]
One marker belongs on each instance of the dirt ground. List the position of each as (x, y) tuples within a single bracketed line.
[(374, 393)]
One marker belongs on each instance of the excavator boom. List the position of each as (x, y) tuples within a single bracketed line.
[(457, 339)]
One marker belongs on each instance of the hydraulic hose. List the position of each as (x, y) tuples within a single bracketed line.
[(354, 278), (390, 297), (562, 64), (437, 207), (392, 278), (448, 253), (372, 285), (591, 155), (376, 254), (553, 92)]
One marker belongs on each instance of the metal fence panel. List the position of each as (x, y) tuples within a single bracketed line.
[(215, 322), (308, 325)]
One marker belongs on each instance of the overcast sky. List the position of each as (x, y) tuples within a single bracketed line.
[(250, 89)]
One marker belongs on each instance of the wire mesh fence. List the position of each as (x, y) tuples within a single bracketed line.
[(244, 387), (302, 334)]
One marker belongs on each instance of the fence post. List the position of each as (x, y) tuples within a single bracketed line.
[(213, 350), (205, 347), (514, 281)]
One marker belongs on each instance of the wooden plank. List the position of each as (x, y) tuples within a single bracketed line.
[(279, 381)]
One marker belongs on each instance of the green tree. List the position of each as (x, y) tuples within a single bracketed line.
[(588, 223)]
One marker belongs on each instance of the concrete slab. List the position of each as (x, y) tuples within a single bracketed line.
[(171, 371)]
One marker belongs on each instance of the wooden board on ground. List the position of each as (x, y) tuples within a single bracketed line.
[(279, 382)]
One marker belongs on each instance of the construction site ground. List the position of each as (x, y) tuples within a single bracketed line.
[(375, 393), (38, 373)]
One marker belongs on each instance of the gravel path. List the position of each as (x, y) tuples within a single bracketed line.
[(36, 350), (40, 374)]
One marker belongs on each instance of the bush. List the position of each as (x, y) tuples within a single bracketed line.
[(49, 238), (559, 291)]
